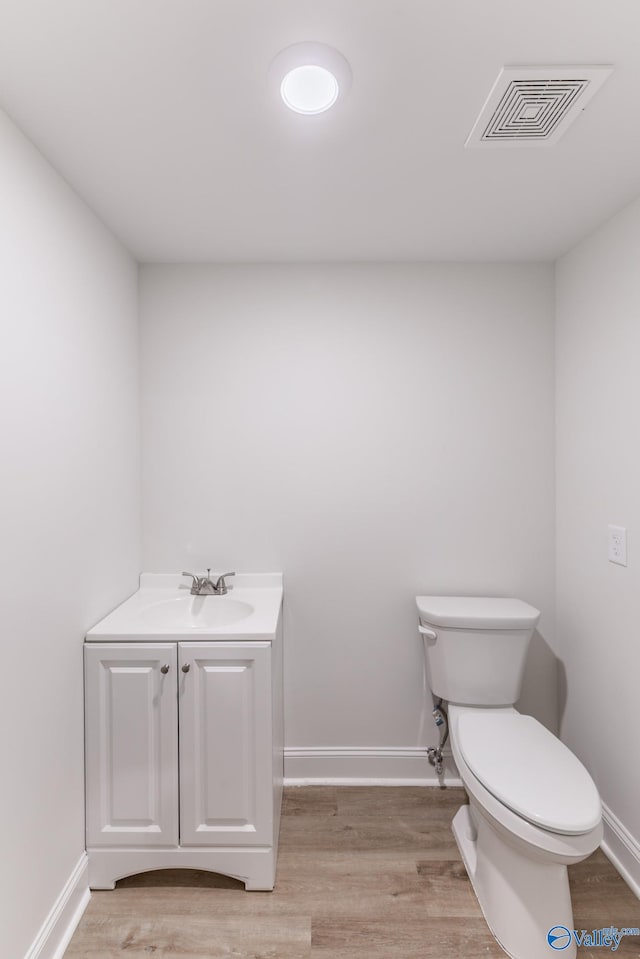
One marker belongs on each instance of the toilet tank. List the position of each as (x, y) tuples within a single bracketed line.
[(475, 647)]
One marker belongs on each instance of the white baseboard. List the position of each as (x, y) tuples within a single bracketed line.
[(60, 924), (356, 766), (622, 849)]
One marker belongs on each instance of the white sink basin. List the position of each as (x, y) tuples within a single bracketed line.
[(195, 612)]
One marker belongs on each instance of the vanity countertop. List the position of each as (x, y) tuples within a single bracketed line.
[(164, 609)]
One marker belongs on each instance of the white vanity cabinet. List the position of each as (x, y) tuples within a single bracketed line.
[(184, 748)]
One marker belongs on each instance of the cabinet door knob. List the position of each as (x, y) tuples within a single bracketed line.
[(186, 667), (164, 669)]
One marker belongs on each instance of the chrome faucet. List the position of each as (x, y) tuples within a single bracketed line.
[(204, 585)]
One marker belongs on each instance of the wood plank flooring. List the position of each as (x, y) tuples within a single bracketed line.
[(363, 873)]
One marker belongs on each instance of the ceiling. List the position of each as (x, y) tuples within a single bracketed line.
[(161, 116)]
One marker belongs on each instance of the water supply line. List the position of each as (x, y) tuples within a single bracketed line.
[(435, 753)]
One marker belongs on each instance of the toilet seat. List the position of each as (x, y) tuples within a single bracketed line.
[(529, 770)]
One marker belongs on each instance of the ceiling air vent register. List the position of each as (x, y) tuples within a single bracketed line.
[(531, 106)]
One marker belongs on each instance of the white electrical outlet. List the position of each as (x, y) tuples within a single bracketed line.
[(618, 545)]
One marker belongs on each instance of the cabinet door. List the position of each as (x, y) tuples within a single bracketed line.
[(131, 744), (226, 786)]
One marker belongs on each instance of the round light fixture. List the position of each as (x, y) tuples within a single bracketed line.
[(309, 89), (310, 77)]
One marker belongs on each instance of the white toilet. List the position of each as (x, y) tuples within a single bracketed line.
[(533, 807)]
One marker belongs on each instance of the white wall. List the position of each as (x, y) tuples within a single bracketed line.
[(69, 494), (598, 483), (372, 431)]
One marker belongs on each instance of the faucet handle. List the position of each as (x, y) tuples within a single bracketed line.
[(196, 579), (221, 586)]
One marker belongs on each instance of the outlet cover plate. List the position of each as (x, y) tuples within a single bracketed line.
[(618, 545)]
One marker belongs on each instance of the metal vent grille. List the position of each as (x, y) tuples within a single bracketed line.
[(535, 105)]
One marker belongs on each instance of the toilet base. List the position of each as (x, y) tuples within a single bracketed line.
[(521, 898)]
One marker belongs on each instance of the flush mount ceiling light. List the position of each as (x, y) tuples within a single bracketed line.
[(309, 89), (310, 77)]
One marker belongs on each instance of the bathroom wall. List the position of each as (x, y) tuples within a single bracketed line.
[(69, 493), (598, 483), (375, 432)]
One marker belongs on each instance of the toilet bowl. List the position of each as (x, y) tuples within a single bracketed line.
[(517, 866), (533, 807)]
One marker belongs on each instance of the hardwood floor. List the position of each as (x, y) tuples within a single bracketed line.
[(363, 873)]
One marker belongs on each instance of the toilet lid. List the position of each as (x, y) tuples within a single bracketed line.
[(529, 770), (476, 612)]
